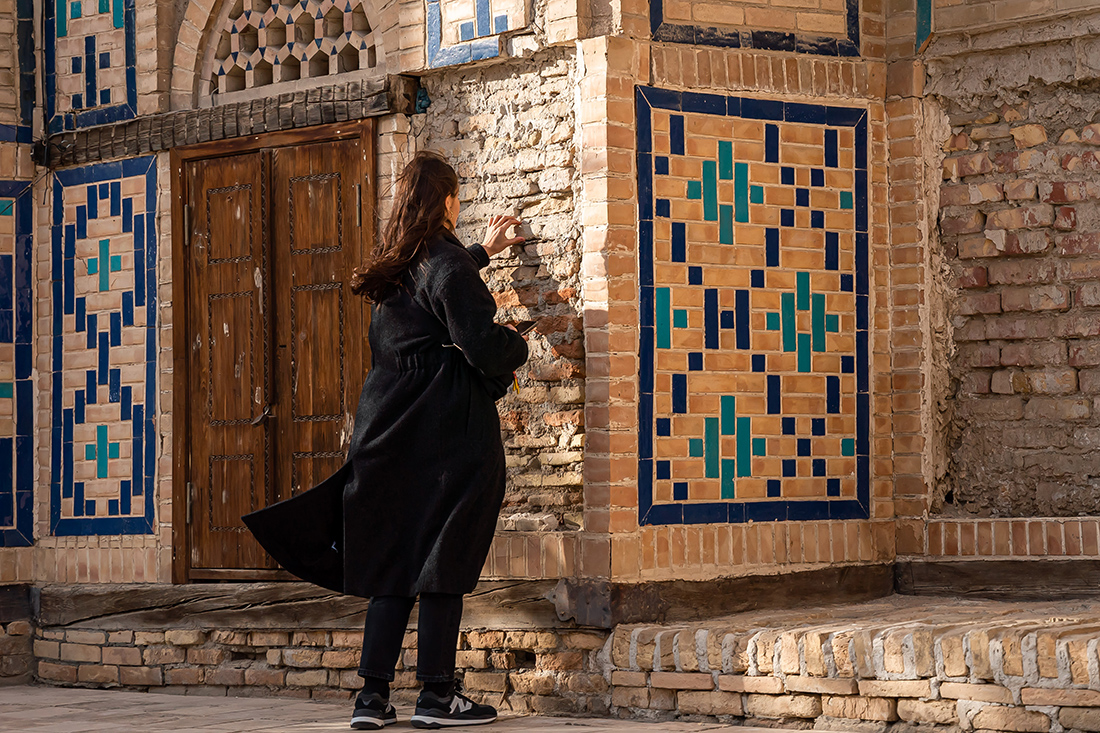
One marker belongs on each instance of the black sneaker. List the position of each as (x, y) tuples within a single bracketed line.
[(433, 711), (372, 712)]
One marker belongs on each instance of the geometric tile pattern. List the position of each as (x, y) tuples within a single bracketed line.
[(104, 366), (267, 43), (16, 391), (753, 253), (832, 29), (460, 31), (17, 100), (91, 78)]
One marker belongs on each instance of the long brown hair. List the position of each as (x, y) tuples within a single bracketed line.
[(419, 214)]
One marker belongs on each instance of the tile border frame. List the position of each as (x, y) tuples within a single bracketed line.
[(758, 39), (137, 524), (21, 533), (651, 513)]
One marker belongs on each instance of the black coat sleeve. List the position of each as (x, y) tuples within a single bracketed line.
[(461, 300)]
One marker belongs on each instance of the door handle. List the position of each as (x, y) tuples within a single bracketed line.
[(262, 416)]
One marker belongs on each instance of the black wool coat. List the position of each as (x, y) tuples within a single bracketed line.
[(415, 506)]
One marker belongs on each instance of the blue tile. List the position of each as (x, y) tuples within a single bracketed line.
[(663, 208), (786, 217), (832, 394), (709, 513), (695, 275), (703, 103), (832, 487), (817, 177), (817, 426), (500, 24), (846, 283), (817, 219), (482, 11), (679, 489), (727, 319), (786, 175), (771, 247), (662, 98), (660, 165), (832, 251), (831, 149), (771, 144), (664, 426), (104, 60), (803, 447), (802, 197), (695, 361), (676, 134), (77, 64), (814, 114), (759, 362), (741, 311), (775, 393), (466, 31), (847, 364), (761, 109), (679, 394), (774, 488), (710, 318), (679, 242), (756, 278), (788, 426), (664, 470), (818, 466), (766, 511)]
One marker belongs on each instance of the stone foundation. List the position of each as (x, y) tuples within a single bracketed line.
[(898, 661), (16, 656)]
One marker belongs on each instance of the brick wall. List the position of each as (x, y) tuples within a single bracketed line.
[(509, 132), (1019, 226)]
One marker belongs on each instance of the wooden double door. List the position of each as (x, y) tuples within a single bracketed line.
[(276, 347)]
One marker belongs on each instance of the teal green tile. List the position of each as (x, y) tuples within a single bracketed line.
[(713, 451), (93, 265), (725, 224), (104, 6), (89, 452), (112, 450), (817, 321), (786, 307), (695, 190), (7, 207), (802, 287), (710, 190), (832, 322), (695, 447), (663, 305), (117, 15), (75, 10), (756, 194), (62, 15), (741, 192), (772, 321), (759, 447), (729, 415), (744, 446), (7, 389), (725, 160), (804, 353), (101, 452), (679, 318), (845, 199), (848, 447), (729, 472), (116, 263)]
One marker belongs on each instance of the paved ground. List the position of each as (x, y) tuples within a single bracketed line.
[(56, 710)]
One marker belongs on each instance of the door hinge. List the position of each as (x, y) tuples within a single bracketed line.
[(189, 492), (358, 205), (187, 225)]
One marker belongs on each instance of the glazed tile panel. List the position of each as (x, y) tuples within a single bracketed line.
[(90, 50), (460, 31), (104, 379), (754, 396), (16, 388)]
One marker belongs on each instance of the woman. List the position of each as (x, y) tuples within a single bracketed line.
[(412, 512)]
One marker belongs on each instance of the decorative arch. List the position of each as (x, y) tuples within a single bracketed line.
[(240, 49)]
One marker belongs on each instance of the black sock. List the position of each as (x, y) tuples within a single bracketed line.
[(376, 685), (440, 689)]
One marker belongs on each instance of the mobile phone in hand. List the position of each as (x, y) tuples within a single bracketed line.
[(523, 327)]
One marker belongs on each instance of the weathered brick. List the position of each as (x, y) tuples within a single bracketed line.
[(1025, 216), (1026, 242), (584, 683), (630, 697), (932, 711), (1078, 243), (224, 637), (309, 638), (342, 659), (783, 706), (1053, 381), (535, 683), (486, 681), (765, 685), (974, 303), (894, 688), (57, 672), (1080, 718), (1060, 698), (267, 677), (584, 640), (1037, 298), (560, 660), (76, 636), (306, 678), (1051, 353), (184, 637), (228, 676), (681, 680), (625, 678), (976, 164), (709, 703), (183, 676), (1067, 192), (1065, 218), (971, 277), (210, 656), (80, 653), (859, 708), (998, 717), (126, 655), (141, 676), (97, 674), (1016, 272), (1019, 190), (268, 638), (144, 638), (47, 649), (964, 222), (303, 658), (980, 693), (1054, 408), (821, 685), (154, 655), (1029, 136), (974, 246), (1084, 353), (19, 628)]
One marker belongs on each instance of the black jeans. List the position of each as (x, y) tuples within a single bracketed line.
[(437, 636)]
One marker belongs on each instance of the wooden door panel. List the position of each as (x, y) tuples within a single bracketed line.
[(229, 384), (317, 245)]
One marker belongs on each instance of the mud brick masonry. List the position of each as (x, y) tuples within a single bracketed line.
[(809, 428)]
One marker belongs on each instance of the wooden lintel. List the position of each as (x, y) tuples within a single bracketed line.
[(1020, 580)]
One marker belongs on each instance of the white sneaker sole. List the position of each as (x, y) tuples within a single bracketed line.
[(430, 721), (370, 723)]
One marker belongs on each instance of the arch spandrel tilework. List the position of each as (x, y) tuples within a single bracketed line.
[(754, 387)]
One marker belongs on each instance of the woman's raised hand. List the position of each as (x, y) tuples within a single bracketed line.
[(496, 239)]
